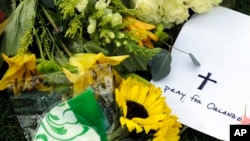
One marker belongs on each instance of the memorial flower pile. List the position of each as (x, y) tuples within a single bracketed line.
[(62, 47)]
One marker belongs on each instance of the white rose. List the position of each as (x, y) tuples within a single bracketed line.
[(148, 10), (199, 6), (174, 12)]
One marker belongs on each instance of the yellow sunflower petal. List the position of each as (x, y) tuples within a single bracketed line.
[(124, 109), (142, 97), (133, 93), (130, 125), (169, 130)]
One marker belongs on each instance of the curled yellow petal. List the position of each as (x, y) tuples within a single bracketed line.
[(141, 31), (86, 60), (139, 24)]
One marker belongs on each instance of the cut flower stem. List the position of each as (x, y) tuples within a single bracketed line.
[(118, 134)]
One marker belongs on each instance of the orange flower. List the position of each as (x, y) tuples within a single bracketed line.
[(141, 31)]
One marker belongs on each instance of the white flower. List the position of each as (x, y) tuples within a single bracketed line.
[(92, 26), (101, 4), (170, 12), (174, 12), (82, 5), (116, 20), (148, 10), (202, 6), (199, 6)]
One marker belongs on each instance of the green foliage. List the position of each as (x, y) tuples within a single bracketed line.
[(194, 60), (92, 47), (160, 65), (48, 66), (75, 27), (19, 29), (67, 7), (119, 6), (139, 57), (25, 41), (162, 35)]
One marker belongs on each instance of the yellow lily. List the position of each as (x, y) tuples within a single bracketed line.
[(21, 66), (84, 63), (141, 30)]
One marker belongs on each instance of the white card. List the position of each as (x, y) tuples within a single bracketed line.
[(220, 87)]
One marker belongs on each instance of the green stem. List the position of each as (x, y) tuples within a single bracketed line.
[(60, 53), (57, 30), (64, 46), (39, 46), (184, 128), (118, 134), (53, 46)]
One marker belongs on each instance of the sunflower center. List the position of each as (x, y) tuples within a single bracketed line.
[(136, 110)]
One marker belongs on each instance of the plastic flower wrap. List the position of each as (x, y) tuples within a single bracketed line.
[(73, 120), (30, 105)]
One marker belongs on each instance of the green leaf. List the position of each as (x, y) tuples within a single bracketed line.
[(195, 61), (48, 3), (139, 57), (92, 47), (160, 65), (20, 22)]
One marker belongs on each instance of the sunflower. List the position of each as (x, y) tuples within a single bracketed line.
[(169, 131), (142, 107)]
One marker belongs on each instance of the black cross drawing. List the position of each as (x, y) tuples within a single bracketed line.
[(206, 78)]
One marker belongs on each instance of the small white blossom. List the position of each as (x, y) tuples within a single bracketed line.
[(116, 19), (111, 34), (120, 35), (101, 4), (82, 5), (92, 26)]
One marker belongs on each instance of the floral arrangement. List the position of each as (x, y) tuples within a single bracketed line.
[(64, 46)]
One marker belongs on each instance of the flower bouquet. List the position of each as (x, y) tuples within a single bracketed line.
[(71, 52)]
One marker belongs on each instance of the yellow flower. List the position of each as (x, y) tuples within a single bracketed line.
[(21, 66), (143, 107), (141, 31), (84, 63), (169, 131)]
